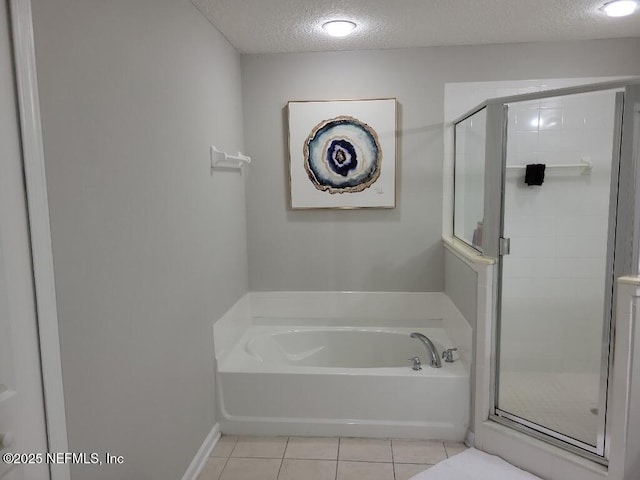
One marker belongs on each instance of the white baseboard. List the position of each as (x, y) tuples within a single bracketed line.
[(204, 452)]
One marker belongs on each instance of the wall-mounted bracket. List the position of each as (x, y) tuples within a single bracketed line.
[(224, 160)]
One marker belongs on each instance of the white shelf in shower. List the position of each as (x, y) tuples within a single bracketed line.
[(582, 168)]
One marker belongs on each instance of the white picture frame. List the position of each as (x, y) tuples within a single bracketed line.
[(342, 154)]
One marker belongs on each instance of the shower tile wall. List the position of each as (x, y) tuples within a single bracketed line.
[(553, 288)]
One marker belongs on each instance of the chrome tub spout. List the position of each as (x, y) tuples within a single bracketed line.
[(431, 349)]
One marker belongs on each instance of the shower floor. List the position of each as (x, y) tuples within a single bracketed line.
[(564, 402)]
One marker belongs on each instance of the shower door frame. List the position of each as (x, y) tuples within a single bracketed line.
[(599, 452), (494, 197)]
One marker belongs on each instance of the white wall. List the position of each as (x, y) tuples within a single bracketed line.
[(149, 246), (22, 406), (387, 250), (382, 250), (460, 282)]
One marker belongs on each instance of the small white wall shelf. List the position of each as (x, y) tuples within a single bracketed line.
[(582, 168), (224, 160)]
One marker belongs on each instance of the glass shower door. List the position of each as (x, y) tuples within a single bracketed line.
[(555, 300)]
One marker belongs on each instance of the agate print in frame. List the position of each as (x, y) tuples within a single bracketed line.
[(342, 154)]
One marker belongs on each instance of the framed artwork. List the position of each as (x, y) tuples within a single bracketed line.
[(342, 154)]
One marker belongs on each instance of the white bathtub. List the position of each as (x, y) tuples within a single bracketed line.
[(349, 381)]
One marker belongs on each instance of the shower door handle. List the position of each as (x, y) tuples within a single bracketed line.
[(504, 246)]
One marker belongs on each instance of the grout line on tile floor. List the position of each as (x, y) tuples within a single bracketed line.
[(235, 444), (393, 460), (446, 451), (224, 467), (227, 459), (337, 458), (282, 458)]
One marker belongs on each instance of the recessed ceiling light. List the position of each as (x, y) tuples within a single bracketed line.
[(620, 8), (339, 28)]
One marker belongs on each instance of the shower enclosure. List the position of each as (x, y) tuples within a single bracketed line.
[(545, 184)]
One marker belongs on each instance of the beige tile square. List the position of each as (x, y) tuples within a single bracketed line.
[(404, 471), (365, 450), (212, 469), (364, 470), (454, 448), (315, 448), (307, 469), (418, 451), (224, 447), (260, 447), (251, 469)]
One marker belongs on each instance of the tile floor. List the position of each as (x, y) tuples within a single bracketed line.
[(311, 458)]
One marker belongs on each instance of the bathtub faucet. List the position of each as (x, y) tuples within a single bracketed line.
[(431, 349)]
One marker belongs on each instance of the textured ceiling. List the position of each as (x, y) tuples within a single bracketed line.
[(269, 26)]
